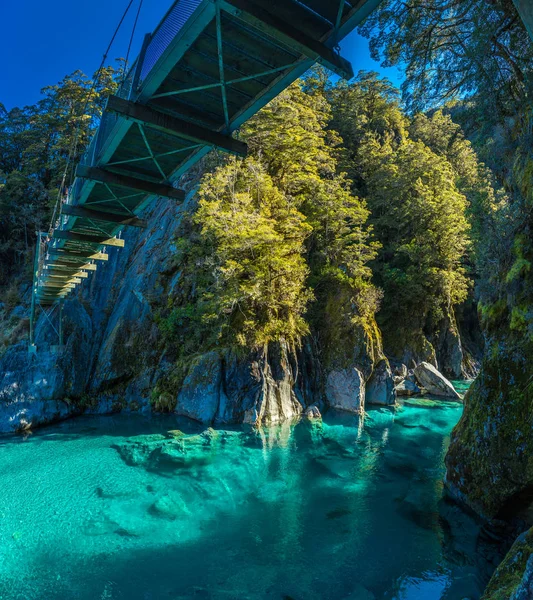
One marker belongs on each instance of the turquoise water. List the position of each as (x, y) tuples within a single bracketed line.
[(118, 508)]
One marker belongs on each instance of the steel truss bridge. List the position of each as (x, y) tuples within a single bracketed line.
[(207, 68)]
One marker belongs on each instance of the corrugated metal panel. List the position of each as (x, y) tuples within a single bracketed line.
[(166, 32)]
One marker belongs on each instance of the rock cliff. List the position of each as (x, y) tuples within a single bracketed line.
[(114, 358)]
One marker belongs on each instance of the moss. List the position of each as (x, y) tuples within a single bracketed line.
[(11, 297), (134, 406), (162, 401), (520, 267), (83, 402), (523, 173), (490, 459), (344, 337), (493, 313), (508, 577), (520, 318), (165, 393)]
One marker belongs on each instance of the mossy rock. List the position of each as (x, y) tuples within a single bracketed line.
[(490, 459), (513, 579)]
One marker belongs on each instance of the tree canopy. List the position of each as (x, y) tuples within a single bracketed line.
[(35, 145), (454, 49)]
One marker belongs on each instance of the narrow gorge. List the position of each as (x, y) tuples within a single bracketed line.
[(296, 364)]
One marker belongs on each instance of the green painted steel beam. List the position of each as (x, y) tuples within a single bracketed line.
[(127, 181), (69, 255), (281, 30), (92, 238), (50, 284), (51, 272), (171, 125), (71, 266), (100, 215), (64, 278)]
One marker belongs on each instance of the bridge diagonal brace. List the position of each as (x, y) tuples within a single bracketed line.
[(171, 125), (149, 148), (117, 199), (279, 29)]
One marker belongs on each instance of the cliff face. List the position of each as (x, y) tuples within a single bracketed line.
[(114, 358), (454, 344), (490, 460)]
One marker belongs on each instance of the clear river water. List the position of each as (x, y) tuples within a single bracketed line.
[(125, 507)]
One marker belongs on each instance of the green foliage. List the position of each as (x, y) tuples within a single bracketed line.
[(411, 173), (520, 267), (455, 49), (258, 292), (35, 144), (268, 232), (162, 401)]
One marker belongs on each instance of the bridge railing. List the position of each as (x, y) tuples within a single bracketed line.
[(105, 127), (166, 31)]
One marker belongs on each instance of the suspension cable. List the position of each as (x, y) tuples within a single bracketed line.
[(131, 41), (74, 145)]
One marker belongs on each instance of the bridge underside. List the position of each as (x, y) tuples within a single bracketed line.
[(207, 68)]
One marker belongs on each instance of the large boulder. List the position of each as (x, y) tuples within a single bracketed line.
[(434, 382), (260, 387), (489, 463), (380, 386), (256, 388), (345, 390), (513, 579)]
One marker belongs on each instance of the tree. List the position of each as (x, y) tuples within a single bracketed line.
[(418, 212), (272, 230), (455, 49), (258, 269), (419, 217), (37, 143)]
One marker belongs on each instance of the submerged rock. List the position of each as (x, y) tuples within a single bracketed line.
[(380, 386), (175, 450), (434, 382), (345, 390), (170, 506), (360, 593), (312, 412)]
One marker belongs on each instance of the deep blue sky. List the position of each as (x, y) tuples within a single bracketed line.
[(43, 40)]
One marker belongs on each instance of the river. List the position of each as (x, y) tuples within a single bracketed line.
[(130, 507)]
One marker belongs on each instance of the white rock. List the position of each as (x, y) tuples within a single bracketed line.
[(345, 390), (434, 382)]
